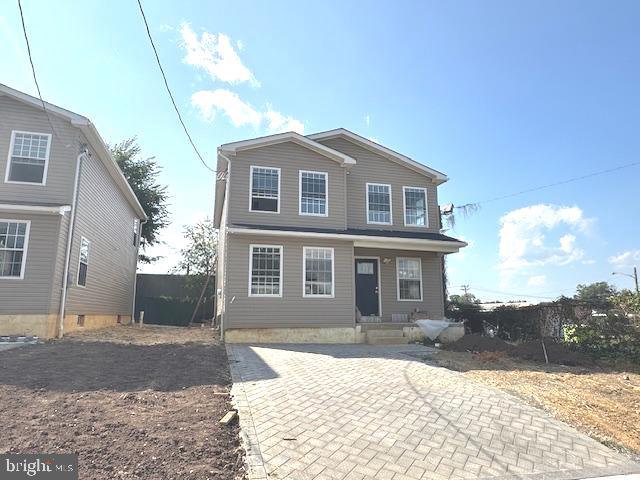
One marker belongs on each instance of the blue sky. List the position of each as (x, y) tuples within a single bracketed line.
[(501, 96)]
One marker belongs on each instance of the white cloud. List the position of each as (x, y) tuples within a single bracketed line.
[(588, 262), (537, 281), (215, 55), (367, 120), (625, 259), (277, 122), (524, 244), (241, 113)]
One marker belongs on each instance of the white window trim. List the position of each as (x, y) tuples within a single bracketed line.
[(46, 160), (304, 273), (79, 256), (404, 206), (366, 193), (24, 250), (326, 194), (264, 295), (398, 279), (377, 259), (251, 188)]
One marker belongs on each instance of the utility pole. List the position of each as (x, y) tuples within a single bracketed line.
[(465, 288), (634, 276)]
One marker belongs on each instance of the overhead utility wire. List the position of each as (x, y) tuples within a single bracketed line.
[(166, 84), (33, 70)]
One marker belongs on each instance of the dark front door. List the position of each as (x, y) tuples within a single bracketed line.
[(367, 286)]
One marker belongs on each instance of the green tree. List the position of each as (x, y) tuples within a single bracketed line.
[(142, 173), (465, 299), (198, 257), (598, 294)]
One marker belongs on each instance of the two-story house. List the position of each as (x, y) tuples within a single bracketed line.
[(69, 223), (323, 236)]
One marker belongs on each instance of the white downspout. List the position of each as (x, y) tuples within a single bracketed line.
[(135, 272), (70, 231)]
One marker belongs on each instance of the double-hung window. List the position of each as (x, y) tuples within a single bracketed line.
[(265, 189), (265, 271), (313, 193), (28, 157), (415, 206), (83, 264), (14, 237), (409, 273), (379, 203), (318, 272)]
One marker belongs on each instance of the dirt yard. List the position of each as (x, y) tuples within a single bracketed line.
[(601, 401), (132, 403)]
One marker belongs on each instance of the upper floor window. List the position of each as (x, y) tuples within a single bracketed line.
[(415, 206), (265, 189), (378, 203), (28, 157), (313, 193), (83, 265), (14, 237)]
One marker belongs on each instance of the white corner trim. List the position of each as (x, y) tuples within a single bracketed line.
[(326, 194), (251, 188), (366, 192), (12, 207), (404, 206), (46, 160), (24, 249), (398, 280), (262, 295), (304, 273)]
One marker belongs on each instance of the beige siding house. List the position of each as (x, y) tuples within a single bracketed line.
[(69, 223), (326, 238)]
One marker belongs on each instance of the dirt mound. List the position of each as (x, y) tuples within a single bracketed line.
[(478, 343), (557, 353)]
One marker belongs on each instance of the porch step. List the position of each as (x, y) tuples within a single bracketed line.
[(387, 340)]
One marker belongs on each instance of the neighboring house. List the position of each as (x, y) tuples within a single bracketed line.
[(67, 216), (322, 237)]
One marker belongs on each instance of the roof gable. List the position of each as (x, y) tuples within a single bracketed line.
[(392, 155)]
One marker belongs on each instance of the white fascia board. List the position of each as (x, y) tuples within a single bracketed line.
[(341, 158), (56, 209), (361, 240), (438, 177)]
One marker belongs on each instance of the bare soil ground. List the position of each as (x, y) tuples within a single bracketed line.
[(131, 402), (600, 400)]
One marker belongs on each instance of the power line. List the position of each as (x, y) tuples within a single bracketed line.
[(555, 184), (513, 294), (166, 84), (33, 70)]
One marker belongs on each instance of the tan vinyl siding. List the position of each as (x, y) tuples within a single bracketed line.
[(373, 168), (105, 218), (32, 294), (290, 158), (63, 152), (432, 296), (292, 309)]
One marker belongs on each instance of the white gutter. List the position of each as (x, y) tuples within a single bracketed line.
[(370, 241), (56, 209), (70, 231), (135, 271)]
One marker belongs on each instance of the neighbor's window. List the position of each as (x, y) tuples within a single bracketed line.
[(313, 193), (265, 189), (378, 203), (415, 206), (265, 270), (318, 272), (14, 237), (409, 271), (29, 157), (84, 261)]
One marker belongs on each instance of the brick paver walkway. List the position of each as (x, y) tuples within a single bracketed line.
[(361, 412)]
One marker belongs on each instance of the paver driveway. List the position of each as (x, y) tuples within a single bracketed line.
[(364, 412)]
